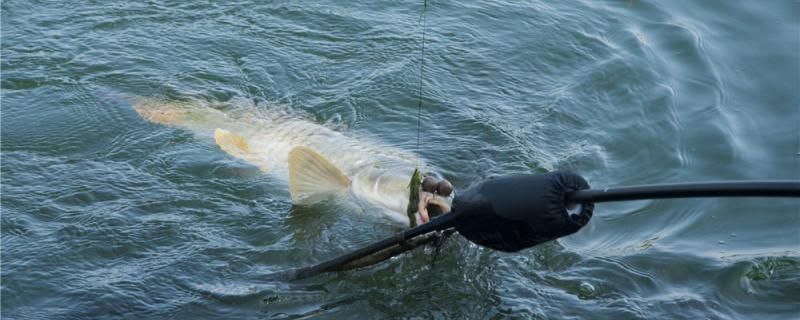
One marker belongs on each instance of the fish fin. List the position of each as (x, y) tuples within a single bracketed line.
[(311, 174), (231, 143)]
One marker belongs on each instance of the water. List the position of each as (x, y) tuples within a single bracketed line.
[(105, 215)]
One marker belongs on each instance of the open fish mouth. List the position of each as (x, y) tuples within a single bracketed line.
[(433, 205), (435, 198)]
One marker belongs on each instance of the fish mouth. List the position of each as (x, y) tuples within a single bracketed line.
[(432, 205)]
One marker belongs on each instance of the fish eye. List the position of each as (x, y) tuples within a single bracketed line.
[(429, 184), (444, 188)]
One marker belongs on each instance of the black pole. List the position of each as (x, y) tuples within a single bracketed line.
[(758, 188), (538, 200), (439, 223)]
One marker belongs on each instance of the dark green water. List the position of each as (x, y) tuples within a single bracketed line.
[(105, 215)]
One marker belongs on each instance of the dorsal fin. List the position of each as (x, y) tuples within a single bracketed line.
[(231, 142), (311, 174)]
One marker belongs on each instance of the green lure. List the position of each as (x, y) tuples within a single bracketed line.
[(413, 197)]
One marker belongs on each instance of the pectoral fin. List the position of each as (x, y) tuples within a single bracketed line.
[(311, 175), (231, 142)]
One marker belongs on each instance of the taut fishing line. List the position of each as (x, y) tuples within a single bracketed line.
[(441, 237), (414, 184), (421, 70)]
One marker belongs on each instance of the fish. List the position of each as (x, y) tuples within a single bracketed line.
[(316, 161)]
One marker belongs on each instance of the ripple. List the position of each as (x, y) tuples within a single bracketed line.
[(107, 216)]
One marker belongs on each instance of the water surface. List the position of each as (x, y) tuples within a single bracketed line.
[(106, 215)]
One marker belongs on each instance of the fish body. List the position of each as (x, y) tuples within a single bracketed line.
[(315, 160)]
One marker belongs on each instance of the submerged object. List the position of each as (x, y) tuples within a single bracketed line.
[(317, 162)]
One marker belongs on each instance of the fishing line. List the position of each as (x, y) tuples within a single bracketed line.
[(414, 184), (421, 70)]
